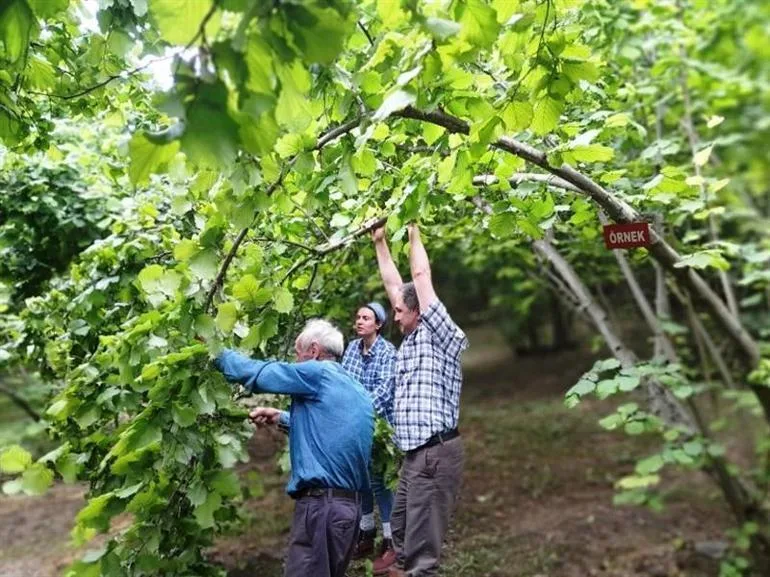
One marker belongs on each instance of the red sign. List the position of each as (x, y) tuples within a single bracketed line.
[(631, 235)]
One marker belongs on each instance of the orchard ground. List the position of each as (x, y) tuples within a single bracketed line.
[(537, 496)]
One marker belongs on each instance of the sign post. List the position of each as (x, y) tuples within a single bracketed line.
[(630, 235)]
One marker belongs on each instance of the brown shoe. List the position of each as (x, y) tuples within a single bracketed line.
[(385, 563), (365, 544)]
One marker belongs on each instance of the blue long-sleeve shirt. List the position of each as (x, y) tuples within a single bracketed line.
[(331, 419)]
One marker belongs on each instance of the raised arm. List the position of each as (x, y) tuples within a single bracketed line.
[(420, 267), (388, 271)]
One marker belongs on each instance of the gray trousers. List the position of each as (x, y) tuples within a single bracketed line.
[(425, 500), (323, 533)]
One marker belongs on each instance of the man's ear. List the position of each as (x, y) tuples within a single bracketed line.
[(315, 350)]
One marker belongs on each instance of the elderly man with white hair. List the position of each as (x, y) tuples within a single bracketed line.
[(330, 425)]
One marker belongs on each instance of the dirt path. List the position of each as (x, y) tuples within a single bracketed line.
[(536, 502)]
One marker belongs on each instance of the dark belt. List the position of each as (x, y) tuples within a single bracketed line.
[(325, 491), (442, 437)]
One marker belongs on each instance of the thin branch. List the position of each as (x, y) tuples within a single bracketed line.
[(550, 179), (120, 76), (366, 228), (19, 401), (323, 140), (284, 241), (693, 138), (366, 33)]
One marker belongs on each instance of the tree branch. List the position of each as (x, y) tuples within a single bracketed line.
[(619, 211), (323, 140), (20, 402)]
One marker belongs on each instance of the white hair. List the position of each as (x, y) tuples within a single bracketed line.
[(325, 334)]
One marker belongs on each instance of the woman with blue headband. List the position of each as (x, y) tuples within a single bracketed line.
[(372, 360)]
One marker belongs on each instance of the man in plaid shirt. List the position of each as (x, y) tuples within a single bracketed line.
[(371, 359), (425, 413)]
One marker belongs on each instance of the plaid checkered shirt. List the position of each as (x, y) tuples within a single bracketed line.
[(428, 379), (375, 371)]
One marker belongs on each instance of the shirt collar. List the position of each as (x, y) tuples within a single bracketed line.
[(375, 346)]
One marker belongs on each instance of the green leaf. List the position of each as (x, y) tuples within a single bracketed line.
[(651, 464), (293, 109), (708, 258), (36, 479), (226, 483), (158, 284), (16, 24), (147, 158), (702, 156), (14, 459), (518, 115), (179, 21), (211, 137), (205, 265), (431, 133), (340, 220), (319, 33), (479, 23), (183, 415), (546, 115), (204, 513), (47, 8), (283, 300), (249, 293), (185, 249), (394, 101), (590, 153), (93, 510), (638, 482), (441, 28), (227, 314), (502, 225), (582, 388)]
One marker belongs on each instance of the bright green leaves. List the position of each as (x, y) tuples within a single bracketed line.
[(158, 284), (248, 292), (588, 153), (179, 21), (546, 115), (16, 25), (14, 459), (283, 300), (518, 115), (36, 479), (147, 158), (707, 258), (702, 156), (227, 315), (479, 26)]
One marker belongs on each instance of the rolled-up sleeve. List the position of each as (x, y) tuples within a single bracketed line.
[(443, 329)]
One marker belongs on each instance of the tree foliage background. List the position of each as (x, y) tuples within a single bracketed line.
[(229, 206)]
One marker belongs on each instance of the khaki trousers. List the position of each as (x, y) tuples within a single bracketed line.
[(425, 500)]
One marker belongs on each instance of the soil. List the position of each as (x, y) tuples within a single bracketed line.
[(537, 498)]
